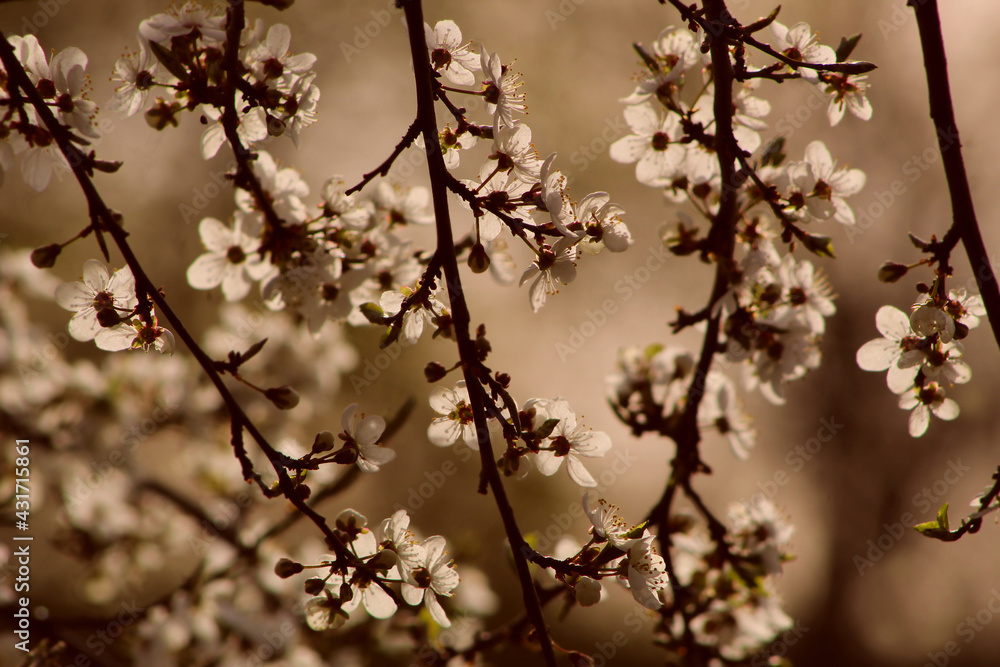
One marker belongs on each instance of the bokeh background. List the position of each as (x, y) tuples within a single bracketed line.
[(577, 61)]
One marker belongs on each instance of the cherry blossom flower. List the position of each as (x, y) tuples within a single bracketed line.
[(925, 401), (251, 127), (417, 314), (800, 43), (365, 585), (284, 185), (567, 441), (271, 59), (401, 205), (231, 259), (343, 209), (831, 185), (647, 573), (676, 50), (514, 152), (456, 61), (720, 409), (98, 301), (761, 533), (810, 295), (435, 576), (848, 91), (364, 437), (608, 524), (192, 17), (652, 145), (557, 263), (394, 534), (136, 72), (456, 420), (602, 224), (140, 335), (61, 82), (501, 90), (898, 341)]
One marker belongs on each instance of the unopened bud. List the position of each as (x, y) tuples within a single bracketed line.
[(286, 568), (384, 560), (108, 317), (275, 126), (890, 272), (324, 442), (479, 260), (314, 586), (45, 257), (283, 397), (434, 371)]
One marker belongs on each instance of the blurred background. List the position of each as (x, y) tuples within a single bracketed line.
[(856, 602)]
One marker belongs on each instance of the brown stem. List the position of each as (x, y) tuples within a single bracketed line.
[(964, 227), (427, 120)]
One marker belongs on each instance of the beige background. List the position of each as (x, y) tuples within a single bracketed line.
[(910, 602)]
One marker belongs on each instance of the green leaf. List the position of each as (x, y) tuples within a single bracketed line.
[(818, 244), (373, 312), (939, 528), (545, 430), (846, 47), (170, 61)]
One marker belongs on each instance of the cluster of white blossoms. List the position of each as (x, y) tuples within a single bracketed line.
[(105, 309), (650, 389), (180, 57), (922, 354), (775, 306), (63, 84), (727, 612), (548, 426), (514, 187), (390, 555)]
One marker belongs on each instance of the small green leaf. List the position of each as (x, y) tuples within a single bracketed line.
[(939, 528), (818, 244), (846, 47), (373, 312), (170, 61), (252, 351), (545, 430)]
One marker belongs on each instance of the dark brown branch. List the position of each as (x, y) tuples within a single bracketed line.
[(427, 119), (964, 227)]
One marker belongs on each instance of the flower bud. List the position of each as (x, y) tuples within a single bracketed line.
[(434, 371), (314, 586), (479, 260), (45, 257), (324, 442), (890, 272), (283, 397), (108, 317), (286, 568), (384, 560)]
